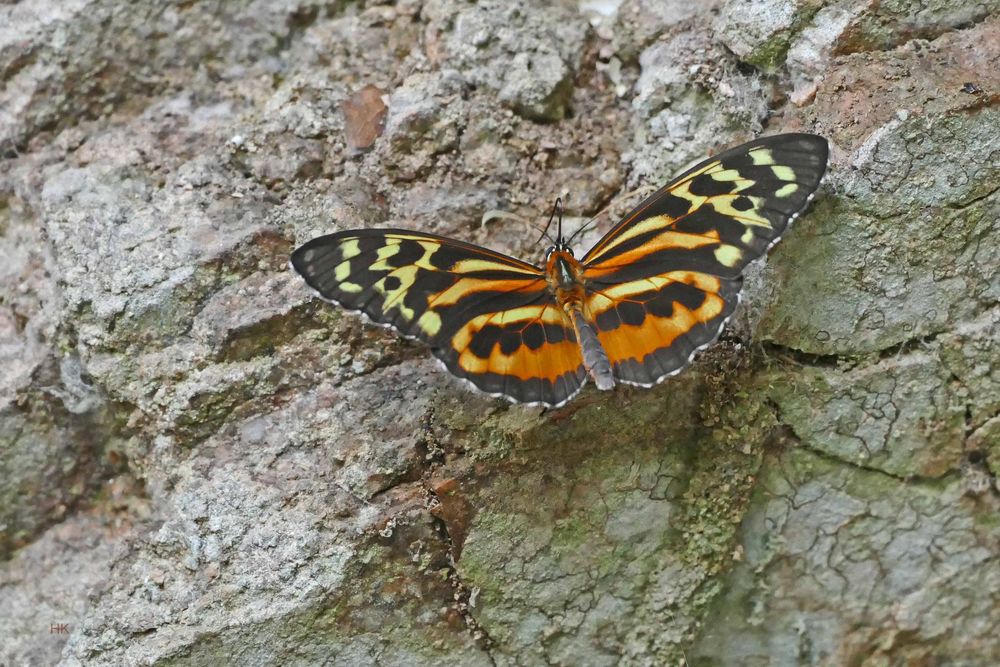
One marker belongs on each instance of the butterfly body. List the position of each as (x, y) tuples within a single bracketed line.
[(565, 276), (635, 309)]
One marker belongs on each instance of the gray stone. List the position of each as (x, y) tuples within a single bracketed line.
[(425, 119), (846, 565), (537, 86), (760, 32), (201, 463), (680, 80), (926, 263), (637, 23), (48, 584), (527, 56), (896, 415)]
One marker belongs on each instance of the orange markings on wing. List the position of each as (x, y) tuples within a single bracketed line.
[(549, 362), (520, 317), (636, 341), (467, 287), (602, 300), (666, 240)]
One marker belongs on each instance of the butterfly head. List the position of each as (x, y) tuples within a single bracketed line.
[(559, 246)]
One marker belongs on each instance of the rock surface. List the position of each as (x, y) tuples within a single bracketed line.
[(200, 464)]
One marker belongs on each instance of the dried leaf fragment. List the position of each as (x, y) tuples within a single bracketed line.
[(364, 118)]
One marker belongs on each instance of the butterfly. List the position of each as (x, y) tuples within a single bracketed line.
[(658, 287)]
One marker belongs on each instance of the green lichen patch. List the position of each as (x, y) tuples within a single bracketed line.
[(823, 540), (622, 508), (894, 415), (728, 459), (850, 282), (769, 55)]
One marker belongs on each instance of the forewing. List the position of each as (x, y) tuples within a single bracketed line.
[(488, 317), (664, 280), (718, 216)]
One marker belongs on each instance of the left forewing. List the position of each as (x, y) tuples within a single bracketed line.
[(489, 318), (422, 285)]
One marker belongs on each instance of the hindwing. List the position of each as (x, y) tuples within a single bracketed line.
[(663, 281), (488, 317)]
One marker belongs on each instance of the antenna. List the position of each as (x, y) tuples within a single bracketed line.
[(494, 214), (593, 220), (557, 207), (583, 228), (559, 236)]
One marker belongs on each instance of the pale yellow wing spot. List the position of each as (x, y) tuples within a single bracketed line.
[(390, 249), (761, 156), (786, 190), (783, 172), (724, 205), (731, 176), (350, 248), (430, 323), (342, 271), (425, 260), (728, 255), (407, 275), (684, 192), (351, 288)]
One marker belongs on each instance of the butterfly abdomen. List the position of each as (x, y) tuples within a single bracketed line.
[(595, 359)]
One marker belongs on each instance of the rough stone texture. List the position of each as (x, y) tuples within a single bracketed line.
[(638, 23), (689, 99), (48, 583), (200, 464), (761, 32), (527, 57), (931, 257), (843, 564)]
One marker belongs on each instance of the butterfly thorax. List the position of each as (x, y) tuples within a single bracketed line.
[(565, 277)]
